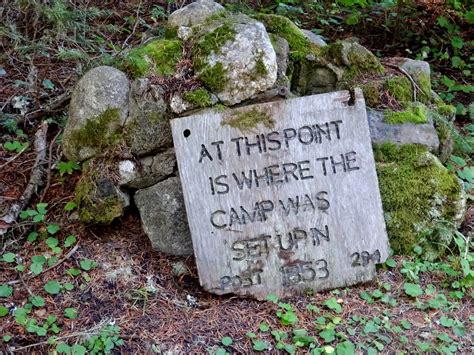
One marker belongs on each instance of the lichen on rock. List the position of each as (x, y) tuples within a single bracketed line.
[(418, 193)]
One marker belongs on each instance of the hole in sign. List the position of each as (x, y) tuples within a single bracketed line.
[(186, 133)]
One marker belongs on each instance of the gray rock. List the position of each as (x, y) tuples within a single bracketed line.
[(282, 50), (194, 13), (407, 133), (149, 171), (312, 79), (100, 101), (248, 61), (314, 38), (147, 128), (416, 67), (163, 217)]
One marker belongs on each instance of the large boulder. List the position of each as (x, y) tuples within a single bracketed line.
[(163, 216), (98, 109), (194, 13), (234, 58), (147, 128)]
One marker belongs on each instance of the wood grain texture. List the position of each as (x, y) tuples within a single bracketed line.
[(314, 221)]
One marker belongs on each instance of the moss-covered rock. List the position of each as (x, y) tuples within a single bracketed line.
[(418, 193), (158, 57), (415, 112), (233, 57), (95, 136), (98, 198), (98, 109), (147, 129), (300, 45), (354, 56)]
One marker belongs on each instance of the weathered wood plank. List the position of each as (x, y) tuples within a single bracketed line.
[(286, 207)]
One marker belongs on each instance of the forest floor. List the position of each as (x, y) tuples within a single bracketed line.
[(69, 288)]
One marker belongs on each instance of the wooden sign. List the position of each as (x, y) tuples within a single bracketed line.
[(284, 205)]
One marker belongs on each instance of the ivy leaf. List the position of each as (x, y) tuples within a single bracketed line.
[(52, 228), (442, 21), (226, 341), (70, 313), (9, 257), (328, 335), (87, 264), (32, 237), (371, 327), (391, 263), (345, 348), (446, 321), (37, 301), (412, 290), (41, 207), (63, 348), (3, 311), (5, 291), (52, 287), (70, 206), (52, 242), (78, 349), (70, 241), (272, 298), (405, 324), (457, 42), (333, 305), (260, 345)]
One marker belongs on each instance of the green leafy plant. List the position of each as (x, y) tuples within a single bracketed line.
[(67, 167)]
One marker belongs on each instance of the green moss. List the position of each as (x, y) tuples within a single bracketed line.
[(198, 97), (424, 84), (446, 110), (417, 194), (212, 42), (247, 121), (94, 207), (300, 46), (372, 91), (217, 16), (260, 68), (95, 133), (160, 56), (400, 88), (171, 32), (415, 113), (353, 55), (214, 77)]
